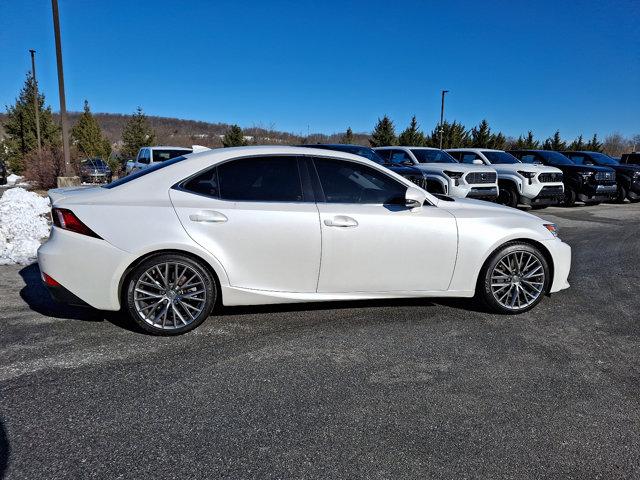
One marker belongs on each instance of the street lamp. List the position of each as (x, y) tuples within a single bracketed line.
[(36, 100), (442, 117)]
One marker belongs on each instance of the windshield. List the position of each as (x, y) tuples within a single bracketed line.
[(500, 157), (555, 158), (603, 159), (141, 173), (163, 155), (365, 152), (432, 156)]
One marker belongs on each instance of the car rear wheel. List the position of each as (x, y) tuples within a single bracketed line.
[(170, 294), (514, 279)]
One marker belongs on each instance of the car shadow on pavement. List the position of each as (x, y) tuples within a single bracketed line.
[(36, 296), (5, 450)]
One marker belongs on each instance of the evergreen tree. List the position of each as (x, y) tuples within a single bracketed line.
[(347, 138), (87, 136), (498, 141), (454, 135), (136, 134), (20, 127), (554, 143), (594, 145), (527, 143), (234, 137), (577, 144), (412, 136), (481, 135), (384, 133)]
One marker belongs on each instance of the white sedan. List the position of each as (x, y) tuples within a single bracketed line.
[(259, 225)]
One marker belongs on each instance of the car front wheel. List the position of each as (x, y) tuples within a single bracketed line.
[(170, 294), (514, 279)]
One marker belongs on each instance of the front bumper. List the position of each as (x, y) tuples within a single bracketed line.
[(483, 193), (598, 193), (549, 195), (561, 255)]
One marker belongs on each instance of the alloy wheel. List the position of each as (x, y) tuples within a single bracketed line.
[(170, 295), (517, 280)]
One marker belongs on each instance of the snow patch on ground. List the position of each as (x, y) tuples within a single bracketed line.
[(13, 179), (23, 224)]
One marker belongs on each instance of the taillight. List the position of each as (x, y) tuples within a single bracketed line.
[(67, 220), (49, 281)]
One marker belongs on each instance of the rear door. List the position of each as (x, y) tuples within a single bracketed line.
[(371, 242), (252, 215)]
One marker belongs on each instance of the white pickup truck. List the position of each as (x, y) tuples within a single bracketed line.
[(148, 156)]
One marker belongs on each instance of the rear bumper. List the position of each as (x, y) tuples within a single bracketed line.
[(88, 268), (483, 193)]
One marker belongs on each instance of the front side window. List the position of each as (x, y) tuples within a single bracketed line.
[(555, 158), (349, 182), (469, 157), (260, 179), (400, 157), (144, 156), (580, 159)]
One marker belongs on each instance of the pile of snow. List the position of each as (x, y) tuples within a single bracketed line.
[(14, 179), (23, 224)]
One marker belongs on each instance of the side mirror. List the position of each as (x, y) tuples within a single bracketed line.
[(414, 198), (477, 161)]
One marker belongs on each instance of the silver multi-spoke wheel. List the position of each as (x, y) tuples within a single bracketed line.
[(170, 295), (517, 280)]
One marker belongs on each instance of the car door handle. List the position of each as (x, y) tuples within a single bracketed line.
[(208, 216), (341, 221)]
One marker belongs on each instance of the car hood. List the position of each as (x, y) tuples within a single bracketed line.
[(404, 170), (467, 207), (454, 167), (586, 168), (629, 169), (524, 167)]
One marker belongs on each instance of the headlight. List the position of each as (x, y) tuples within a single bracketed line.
[(454, 175), (553, 228), (636, 174), (527, 174)]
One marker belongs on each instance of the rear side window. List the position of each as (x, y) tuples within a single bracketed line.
[(256, 179), (349, 182)]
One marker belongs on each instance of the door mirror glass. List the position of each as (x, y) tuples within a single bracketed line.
[(414, 197)]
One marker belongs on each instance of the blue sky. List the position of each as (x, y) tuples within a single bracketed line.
[(546, 65)]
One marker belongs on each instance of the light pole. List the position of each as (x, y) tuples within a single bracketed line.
[(442, 117), (63, 104), (35, 99)]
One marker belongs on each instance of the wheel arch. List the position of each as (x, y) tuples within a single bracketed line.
[(132, 266), (529, 241)]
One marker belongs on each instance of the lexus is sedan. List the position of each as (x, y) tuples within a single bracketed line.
[(264, 225)]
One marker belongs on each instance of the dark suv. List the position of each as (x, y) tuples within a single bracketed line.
[(632, 158), (627, 176), (590, 184), (410, 173)]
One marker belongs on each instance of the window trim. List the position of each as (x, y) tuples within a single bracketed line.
[(305, 191)]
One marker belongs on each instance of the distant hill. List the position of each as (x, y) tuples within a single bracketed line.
[(178, 132)]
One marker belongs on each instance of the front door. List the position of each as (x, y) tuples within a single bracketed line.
[(371, 242)]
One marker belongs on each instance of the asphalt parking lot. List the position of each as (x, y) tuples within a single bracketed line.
[(376, 390)]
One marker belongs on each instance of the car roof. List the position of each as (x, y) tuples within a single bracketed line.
[(169, 146), (404, 147), (473, 149)]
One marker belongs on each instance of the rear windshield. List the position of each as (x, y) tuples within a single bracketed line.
[(163, 155), (432, 156), (143, 172)]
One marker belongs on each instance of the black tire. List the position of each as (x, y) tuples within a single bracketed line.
[(508, 196), (538, 207), (634, 200), (622, 193), (484, 291), (174, 299), (569, 197)]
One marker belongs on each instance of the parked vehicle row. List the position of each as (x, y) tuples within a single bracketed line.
[(259, 225)]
